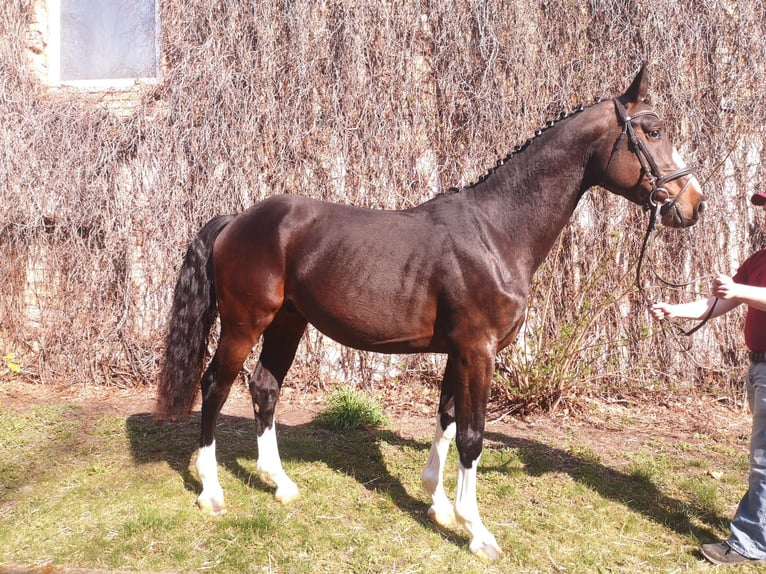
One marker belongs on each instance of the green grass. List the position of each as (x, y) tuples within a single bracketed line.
[(94, 491), (348, 408)]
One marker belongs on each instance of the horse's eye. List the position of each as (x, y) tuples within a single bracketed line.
[(655, 134)]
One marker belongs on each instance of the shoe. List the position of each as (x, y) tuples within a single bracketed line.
[(720, 553)]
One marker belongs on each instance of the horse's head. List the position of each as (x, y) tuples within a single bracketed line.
[(636, 159)]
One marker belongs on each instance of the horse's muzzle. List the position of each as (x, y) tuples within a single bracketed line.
[(672, 215)]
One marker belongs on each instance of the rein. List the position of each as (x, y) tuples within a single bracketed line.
[(653, 203), (708, 315)]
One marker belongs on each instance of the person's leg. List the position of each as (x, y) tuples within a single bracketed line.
[(748, 528)]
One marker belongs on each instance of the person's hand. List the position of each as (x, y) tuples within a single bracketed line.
[(724, 287), (661, 310)]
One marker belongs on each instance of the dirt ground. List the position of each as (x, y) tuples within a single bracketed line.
[(605, 428)]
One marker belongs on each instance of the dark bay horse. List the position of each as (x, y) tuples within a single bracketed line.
[(448, 276)]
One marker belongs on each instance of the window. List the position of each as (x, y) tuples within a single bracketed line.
[(103, 43)]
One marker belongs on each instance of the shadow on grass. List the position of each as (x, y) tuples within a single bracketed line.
[(358, 455), (634, 491)]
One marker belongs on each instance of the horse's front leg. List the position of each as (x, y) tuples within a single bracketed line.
[(442, 511), (473, 369)]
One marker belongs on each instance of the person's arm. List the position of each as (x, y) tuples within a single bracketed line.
[(695, 310), (726, 289)]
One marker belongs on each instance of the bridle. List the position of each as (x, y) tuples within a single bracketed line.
[(654, 202), (649, 167)]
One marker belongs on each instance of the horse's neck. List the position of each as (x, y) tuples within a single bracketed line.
[(530, 199)]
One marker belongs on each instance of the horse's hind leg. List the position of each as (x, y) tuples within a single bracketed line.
[(441, 511), (280, 342), (232, 351)]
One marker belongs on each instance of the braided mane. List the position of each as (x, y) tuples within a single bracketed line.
[(520, 148)]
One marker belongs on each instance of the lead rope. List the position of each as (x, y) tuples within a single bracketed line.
[(653, 208)]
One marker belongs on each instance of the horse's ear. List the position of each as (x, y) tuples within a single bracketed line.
[(638, 88)]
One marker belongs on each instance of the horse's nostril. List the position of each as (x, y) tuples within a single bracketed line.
[(702, 207)]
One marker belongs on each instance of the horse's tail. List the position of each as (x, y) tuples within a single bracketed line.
[(191, 318)]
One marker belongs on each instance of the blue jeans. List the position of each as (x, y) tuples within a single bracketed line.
[(748, 528)]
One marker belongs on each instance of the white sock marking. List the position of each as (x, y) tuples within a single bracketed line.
[(467, 513), (211, 497), (270, 466), (441, 511)]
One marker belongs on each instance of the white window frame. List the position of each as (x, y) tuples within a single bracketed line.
[(54, 55)]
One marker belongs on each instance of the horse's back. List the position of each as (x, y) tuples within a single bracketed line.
[(367, 278), (304, 226)]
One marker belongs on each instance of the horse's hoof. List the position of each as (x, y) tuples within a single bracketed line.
[(211, 506), (266, 478), (287, 493), (488, 550), (444, 518)]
